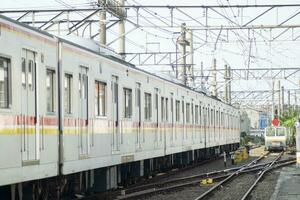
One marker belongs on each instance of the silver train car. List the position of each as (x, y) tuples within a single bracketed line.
[(275, 138), (75, 117)]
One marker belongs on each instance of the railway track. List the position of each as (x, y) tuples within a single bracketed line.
[(232, 185), (177, 183)]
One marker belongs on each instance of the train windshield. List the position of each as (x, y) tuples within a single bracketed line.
[(280, 131), (270, 131)]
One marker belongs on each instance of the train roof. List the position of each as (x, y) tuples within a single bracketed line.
[(112, 56)]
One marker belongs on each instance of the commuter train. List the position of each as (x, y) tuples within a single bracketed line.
[(76, 117), (275, 138)]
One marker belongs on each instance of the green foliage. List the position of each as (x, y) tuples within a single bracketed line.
[(288, 120)]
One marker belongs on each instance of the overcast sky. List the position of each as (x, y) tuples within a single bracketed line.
[(282, 52)]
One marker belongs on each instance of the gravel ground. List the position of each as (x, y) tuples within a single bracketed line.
[(209, 167), (265, 188), (234, 189), (186, 193)]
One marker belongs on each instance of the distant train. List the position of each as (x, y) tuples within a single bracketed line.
[(74, 117), (275, 138)]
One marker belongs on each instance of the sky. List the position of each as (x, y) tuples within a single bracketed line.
[(281, 52)]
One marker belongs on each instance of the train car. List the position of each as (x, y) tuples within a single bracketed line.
[(75, 117), (275, 138)]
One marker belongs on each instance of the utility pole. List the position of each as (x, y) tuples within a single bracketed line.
[(214, 78), (226, 78), (182, 72), (102, 25), (202, 78)]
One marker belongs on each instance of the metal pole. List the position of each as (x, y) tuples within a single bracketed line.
[(273, 99), (289, 98), (226, 84), (295, 99), (229, 85), (122, 34), (191, 55)]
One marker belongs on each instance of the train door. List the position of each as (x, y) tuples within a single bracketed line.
[(156, 118), (138, 114), (83, 112), (193, 122), (30, 135), (115, 114), (172, 119), (205, 125)]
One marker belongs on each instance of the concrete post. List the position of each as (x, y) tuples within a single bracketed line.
[(182, 75), (102, 24), (214, 78)]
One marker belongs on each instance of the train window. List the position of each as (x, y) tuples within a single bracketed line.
[(162, 111), (217, 118), (270, 131), (30, 73), (68, 93), (50, 85), (100, 98), (83, 86), (196, 114), (182, 105), (5, 83), (148, 106), (212, 117), (208, 116), (177, 107), (24, 72), (167, 115), (200, 115), (127, 103), (188, 113), (192, 113), (221, 119)]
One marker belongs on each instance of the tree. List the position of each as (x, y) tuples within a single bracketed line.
[(288, 120)]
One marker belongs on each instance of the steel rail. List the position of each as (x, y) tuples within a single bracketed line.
[(197, 176), (230, 177), (151, 191), (267, 168), (156, 188)]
